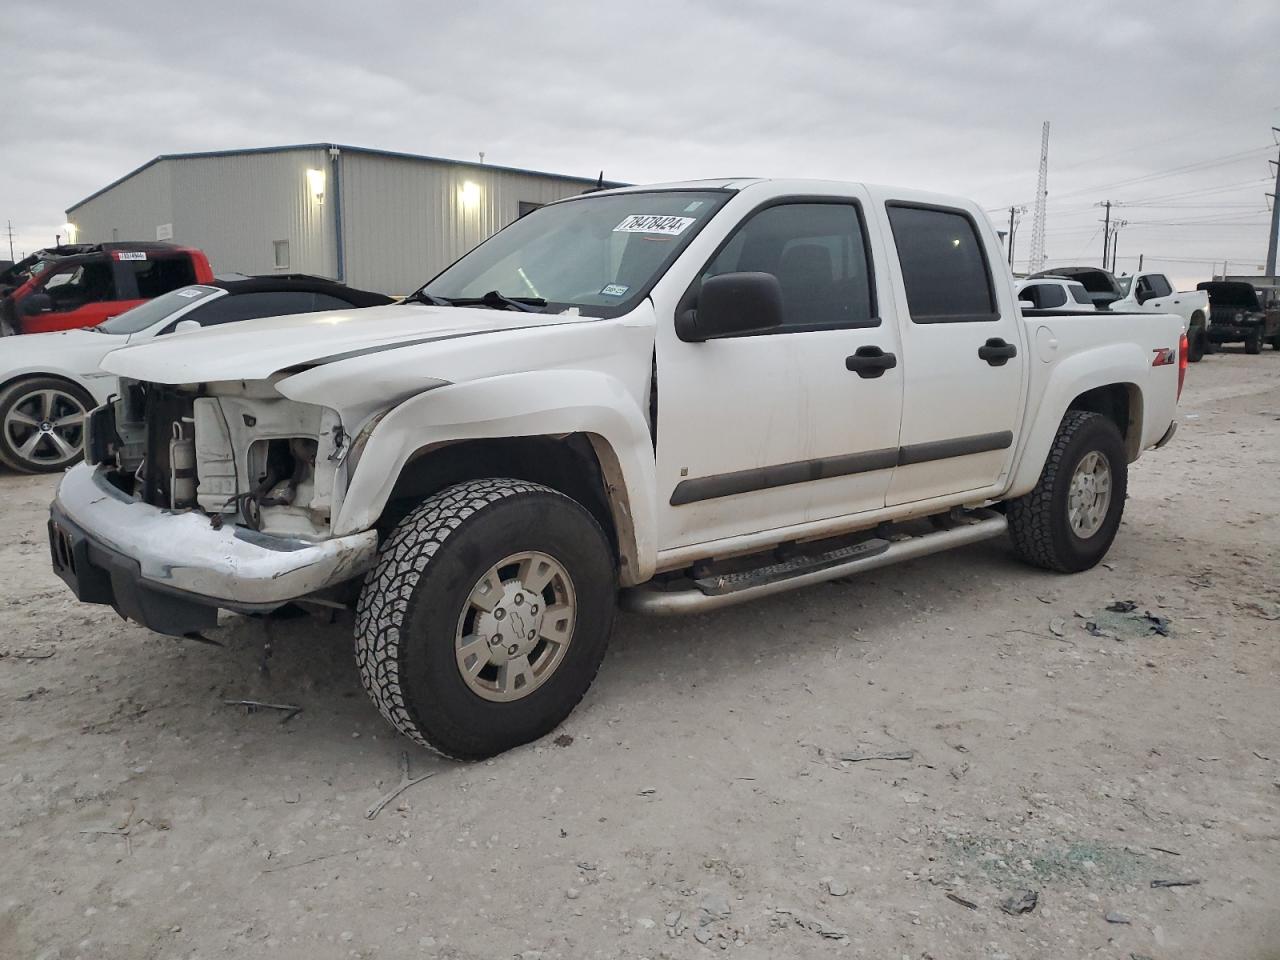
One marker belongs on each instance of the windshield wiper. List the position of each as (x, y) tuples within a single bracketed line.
[(492, 299), (421, 296)]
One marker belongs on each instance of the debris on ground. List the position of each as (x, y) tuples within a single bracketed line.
[(1270, 611), (1112, 917), (405, 783), (32, 694), (27, 654), (1024, 901), (835, 888), (253, 706), (812, 924), (1095, 631), (956, 898), (886, 755), (564, 740), (1123, 621), (1058, 627), (1159, 625), (1175, 883)]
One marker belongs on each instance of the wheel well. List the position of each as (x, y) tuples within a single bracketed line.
[(1121, 403), (567, 464), (36, 375)]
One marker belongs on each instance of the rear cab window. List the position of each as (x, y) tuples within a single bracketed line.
[(944, 265), (156, 275), (1079, 294)]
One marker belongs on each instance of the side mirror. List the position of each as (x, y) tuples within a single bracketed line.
[(186, 326), (733, 303), (37, 303)]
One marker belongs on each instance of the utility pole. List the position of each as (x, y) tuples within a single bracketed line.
[(1106, 232), (1140, 257), (11, 241), (1036, 261), (1015, 214), (1275, 217), (1115, 240)]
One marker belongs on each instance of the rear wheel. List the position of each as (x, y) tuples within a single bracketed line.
[(42, 424), (486, 617), (1067, 523)]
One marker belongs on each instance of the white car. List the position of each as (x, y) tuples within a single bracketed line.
[(700, 393), (49, 381), (1056, 293)]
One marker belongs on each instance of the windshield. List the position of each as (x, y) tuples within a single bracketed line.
[(1124, 283), (598, 253), (153, 311)]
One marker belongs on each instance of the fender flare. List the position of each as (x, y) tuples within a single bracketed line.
[(1122, 364), (530, 404)]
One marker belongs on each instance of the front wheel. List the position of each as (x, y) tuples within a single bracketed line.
[(486, 617), (42, 424), (1253, 342), (1067, 523)]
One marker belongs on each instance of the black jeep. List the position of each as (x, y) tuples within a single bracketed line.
[(1236, 314)]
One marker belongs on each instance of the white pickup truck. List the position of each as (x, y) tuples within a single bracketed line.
[(695, 394), (1146, 292)]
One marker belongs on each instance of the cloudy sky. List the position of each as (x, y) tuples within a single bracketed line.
[(1163, 107)]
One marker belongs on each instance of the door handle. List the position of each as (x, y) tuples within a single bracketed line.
[(996, 352), (870, 362)]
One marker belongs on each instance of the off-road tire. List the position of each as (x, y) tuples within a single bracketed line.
[(12, 395), (1038, 522), (409, 608), (1253, 343), (1196, 345)]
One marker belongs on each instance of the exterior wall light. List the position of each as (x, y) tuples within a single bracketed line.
[(315, 183), (70, 229), (470, 195)]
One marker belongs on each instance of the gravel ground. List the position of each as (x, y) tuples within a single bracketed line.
[(698, 799)]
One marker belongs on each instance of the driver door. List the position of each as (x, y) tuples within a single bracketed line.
[(81, 294), (774, 429)]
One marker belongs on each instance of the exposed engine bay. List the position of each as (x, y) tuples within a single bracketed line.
[(237, 451)]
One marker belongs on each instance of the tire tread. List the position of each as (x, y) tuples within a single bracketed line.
[(388, 587)]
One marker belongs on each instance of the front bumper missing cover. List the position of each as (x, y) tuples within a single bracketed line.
[(172, 571)]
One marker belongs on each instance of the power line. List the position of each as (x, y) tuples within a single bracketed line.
[(1188, 168)]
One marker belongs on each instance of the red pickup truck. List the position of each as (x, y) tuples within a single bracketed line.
[(106, 279)]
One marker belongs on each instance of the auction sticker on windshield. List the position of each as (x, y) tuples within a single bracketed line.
[(654, 223)]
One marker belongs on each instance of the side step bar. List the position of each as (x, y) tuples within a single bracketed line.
[(712, 593)]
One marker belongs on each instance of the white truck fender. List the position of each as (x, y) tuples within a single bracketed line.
[(535, 403), (1117, 363)]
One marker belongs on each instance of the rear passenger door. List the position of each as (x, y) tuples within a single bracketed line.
[(962, 349)]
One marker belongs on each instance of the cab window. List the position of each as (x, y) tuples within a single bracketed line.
[(944, 267), (159, 275), (817, 252), (72, 286)]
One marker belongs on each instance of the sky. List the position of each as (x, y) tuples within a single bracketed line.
[(1163, 108)]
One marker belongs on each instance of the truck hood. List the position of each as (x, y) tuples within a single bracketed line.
[(256, 349)]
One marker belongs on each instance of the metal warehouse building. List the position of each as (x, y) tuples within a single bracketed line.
[(375, 219)]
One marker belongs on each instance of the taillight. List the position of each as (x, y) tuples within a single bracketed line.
[(1183, 347)]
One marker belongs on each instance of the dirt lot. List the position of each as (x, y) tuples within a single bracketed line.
[(697, 800)]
